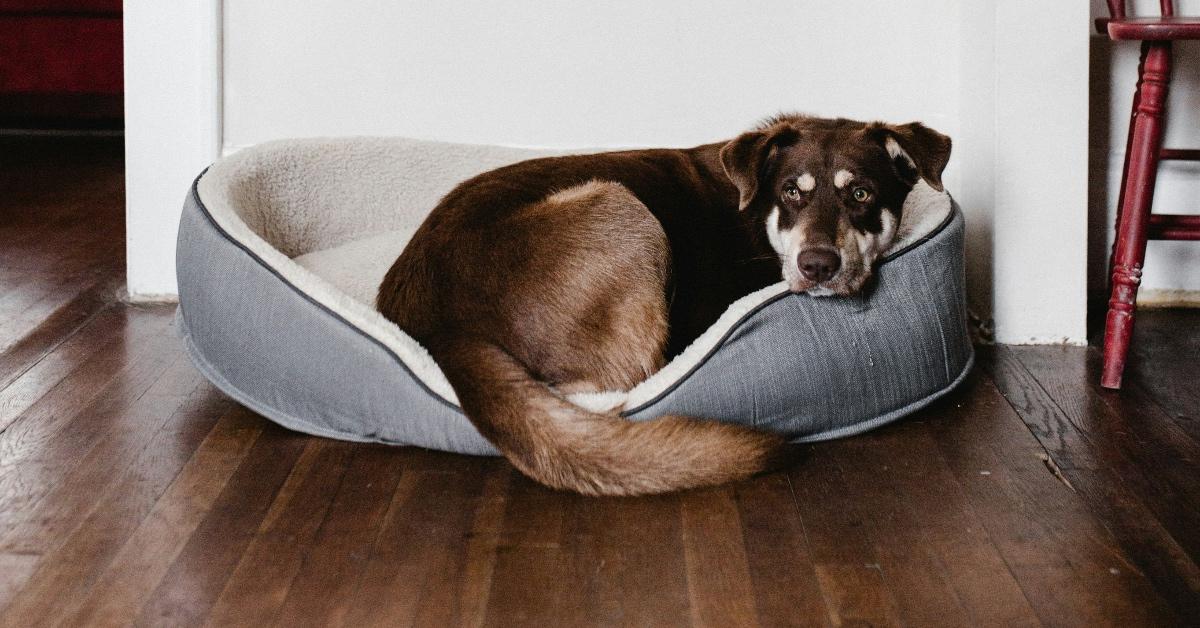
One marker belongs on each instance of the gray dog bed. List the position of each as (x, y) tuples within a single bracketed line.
[(282, 246)]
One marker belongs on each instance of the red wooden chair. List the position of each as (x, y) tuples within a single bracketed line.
[(1143, 151)]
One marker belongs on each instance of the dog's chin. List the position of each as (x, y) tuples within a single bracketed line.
[(811, 288), (839, 286), (821, 291)]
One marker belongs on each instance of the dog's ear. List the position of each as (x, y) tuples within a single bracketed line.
[(746, 157), (916, 150)]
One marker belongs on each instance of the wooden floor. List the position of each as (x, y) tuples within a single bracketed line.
[(132, 491)]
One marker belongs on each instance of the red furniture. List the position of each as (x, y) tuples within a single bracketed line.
[(60, 63), (1143, 151)]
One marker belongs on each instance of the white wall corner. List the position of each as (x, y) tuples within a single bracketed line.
[(172, 128), (1039, 221), (974, 152)]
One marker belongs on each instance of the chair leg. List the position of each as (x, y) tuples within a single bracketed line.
[(1137, 194), (1112, 253)]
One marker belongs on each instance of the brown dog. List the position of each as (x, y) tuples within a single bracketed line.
[(584, 273)]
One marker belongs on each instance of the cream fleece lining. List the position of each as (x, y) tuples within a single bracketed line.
[(331, 215)]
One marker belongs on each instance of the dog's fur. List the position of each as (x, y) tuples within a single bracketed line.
[(584, 273)]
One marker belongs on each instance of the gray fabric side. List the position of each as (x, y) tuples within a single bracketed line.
[(818, 368), (807, 367), (266, 345)]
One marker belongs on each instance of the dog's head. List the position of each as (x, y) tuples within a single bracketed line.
[(828, 194)]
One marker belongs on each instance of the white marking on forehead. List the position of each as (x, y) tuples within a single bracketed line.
[(893, 149), (841, 178), (806, 182)]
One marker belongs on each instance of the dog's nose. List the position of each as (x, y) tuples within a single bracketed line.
[(818, 264)]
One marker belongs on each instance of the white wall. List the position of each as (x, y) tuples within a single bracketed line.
[(570, 73), (1172, 270), (566, 73), (1035, 96), (172, 128)]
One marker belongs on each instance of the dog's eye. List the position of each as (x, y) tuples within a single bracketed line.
[(792, 192), (861, 195)]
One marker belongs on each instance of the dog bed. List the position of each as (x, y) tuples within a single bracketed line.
[(282, 247)]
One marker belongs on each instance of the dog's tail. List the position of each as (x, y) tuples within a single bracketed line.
[(564, 446)]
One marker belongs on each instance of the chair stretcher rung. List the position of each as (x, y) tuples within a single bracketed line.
[(1181, 154), (1174, 227)]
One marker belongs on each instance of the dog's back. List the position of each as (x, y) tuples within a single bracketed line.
[(714, 256), (584, 273), (553, 276)]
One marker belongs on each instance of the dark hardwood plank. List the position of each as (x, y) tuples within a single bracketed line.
[(19, 565), (1150, 547), (62, 229), (27, 385), (845, 561), (130, 355), (1151, 508), (1064, 440), (1129, 421), (1129, 432), (321, 592), (1164, 361), (532, 571), (260, 582), (440, 603), (57, 328), (134, 427), (57, 266), (68, 240), (627, 561), (23, 308), (480, 560), (1071, 569), (149, 552), (941, 565), (51, 437), (786, 590), (106, 513), (198, 574), (420, 549), (718, 575)]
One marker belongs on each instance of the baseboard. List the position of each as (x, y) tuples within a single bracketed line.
[(151, 299), (1151, 297), (1068, 341)]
